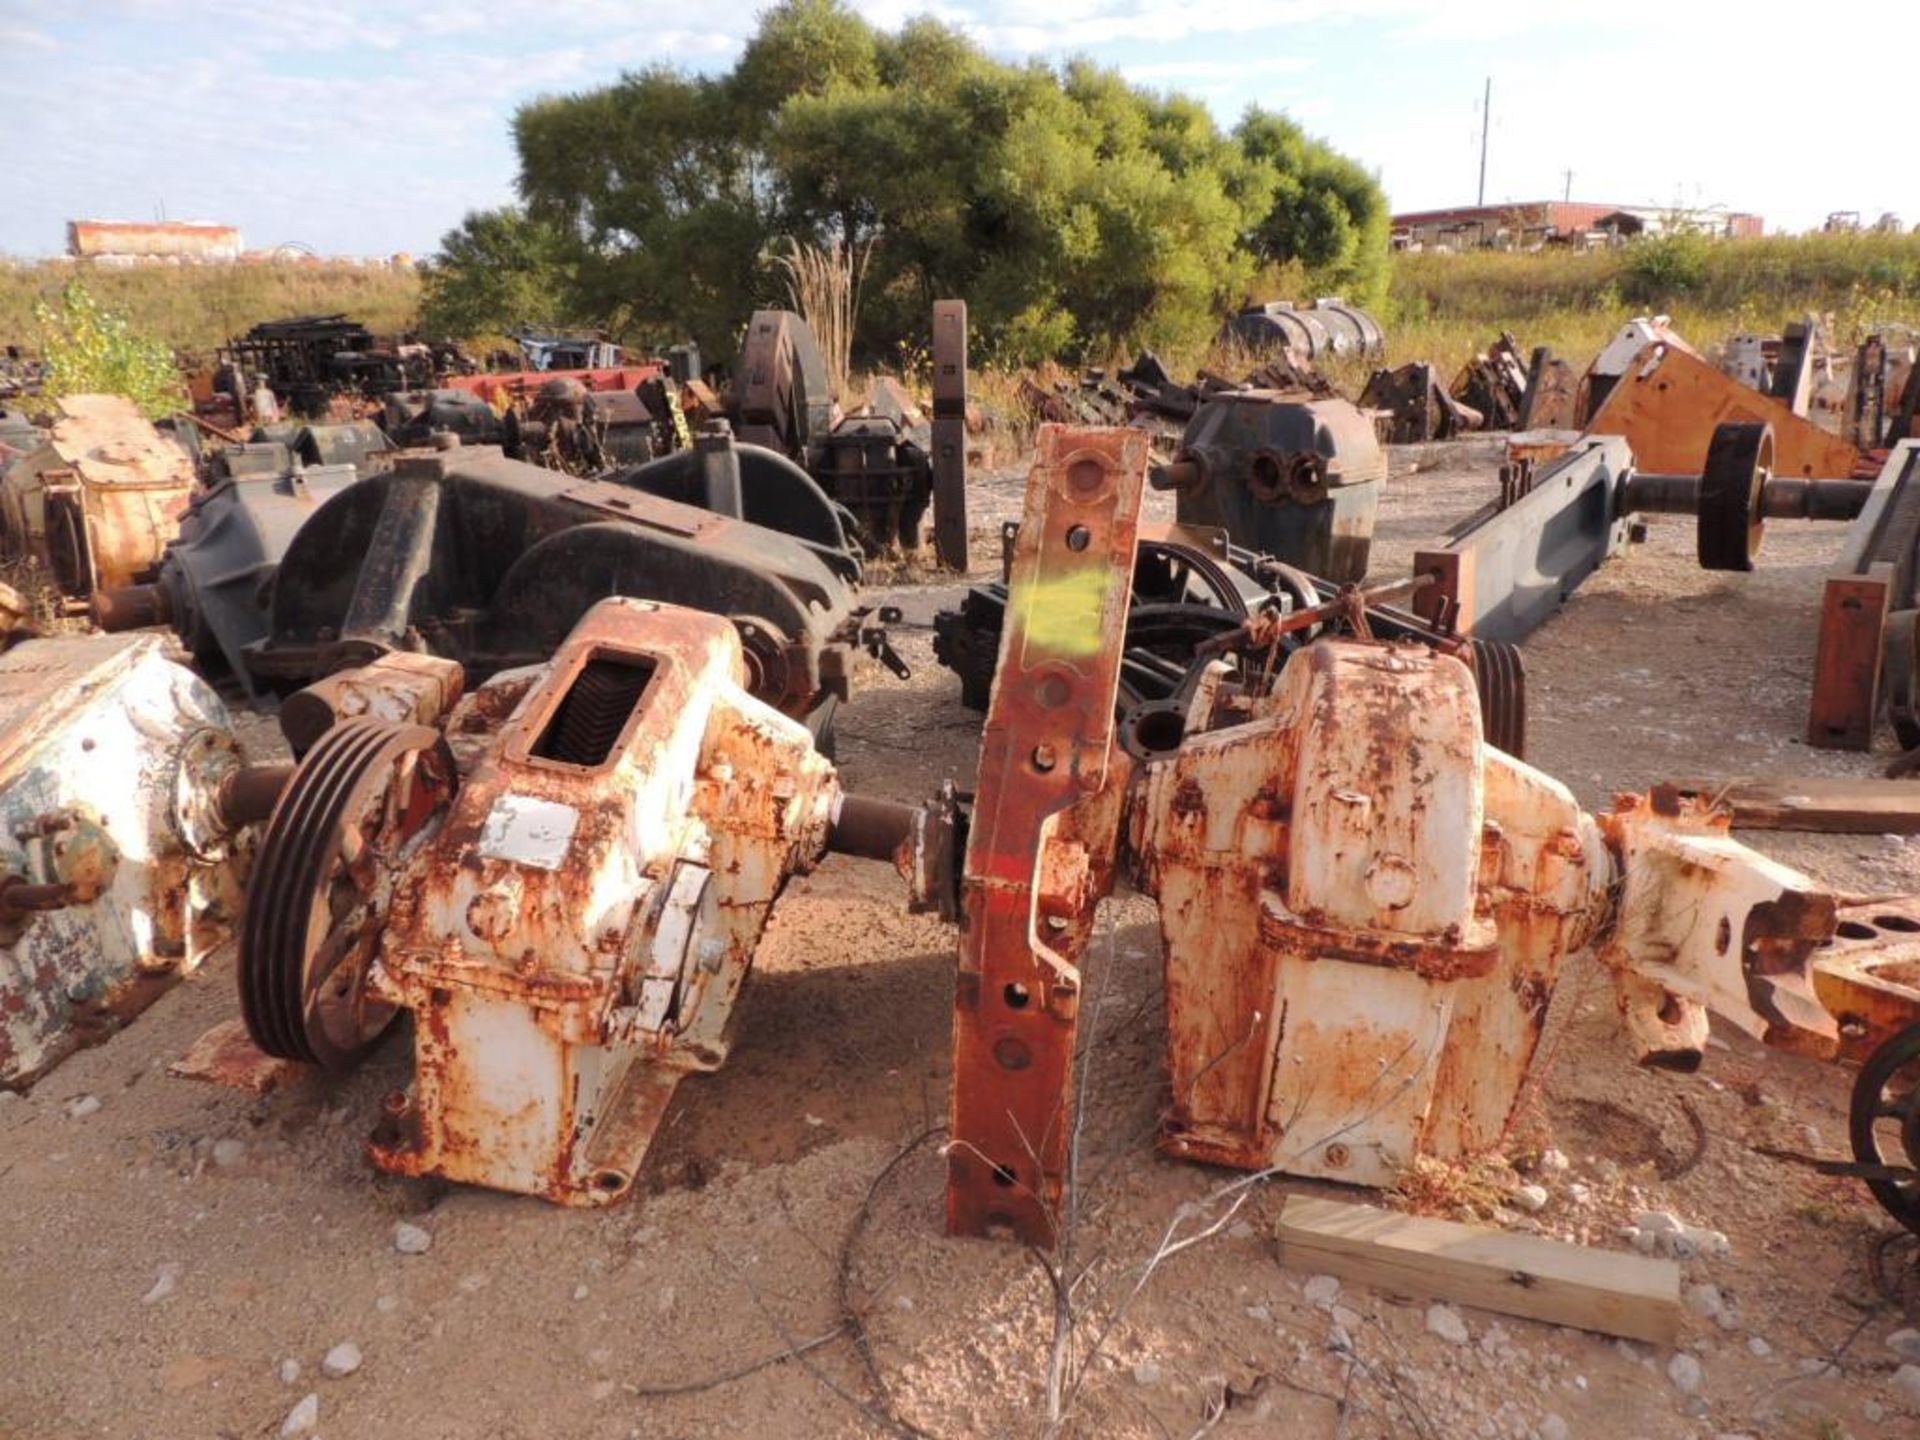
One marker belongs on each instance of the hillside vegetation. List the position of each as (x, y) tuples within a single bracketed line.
[(1444, 307), (194, 308), (1439, 307)]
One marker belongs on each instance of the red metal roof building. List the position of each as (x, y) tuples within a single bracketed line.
[(176, 241), (1523, 224)]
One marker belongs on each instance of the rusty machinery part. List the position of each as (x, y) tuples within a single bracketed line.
[(1731, 519), (1900, 676), (783, 397), (1319, 332), (1515, 561), (575, 937), (1296, 479), (1883, 1124), (1418, 407), (1668, 403), (400, 688), (874, 470), (949, 459), (571, 919), (1188, 605), (1494, 384), (1500, 680), (1434, 888), (98, 499), (214, 577), (1865, 653), (1044, 832), (490, 562), (340, 442), (752, 483), (111, 769), (1551, 399), (364, 800)]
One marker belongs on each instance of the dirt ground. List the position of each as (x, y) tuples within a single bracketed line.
[(166, 1259)]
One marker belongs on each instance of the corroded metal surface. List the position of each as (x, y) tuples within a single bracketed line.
[(950, 432), (1364, 910), (1668, 403), (1042, 847), (118, 875), (573, 940), (99, 500)]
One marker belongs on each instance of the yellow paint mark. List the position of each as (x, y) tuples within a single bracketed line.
[(1063, 616)]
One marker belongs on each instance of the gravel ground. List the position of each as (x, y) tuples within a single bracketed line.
[(185, 1261)]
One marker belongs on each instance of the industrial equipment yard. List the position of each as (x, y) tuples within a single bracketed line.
[(832, 719), (184, 1259)]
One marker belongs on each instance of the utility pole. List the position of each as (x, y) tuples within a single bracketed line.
[(1486, 125), (1568, 194)]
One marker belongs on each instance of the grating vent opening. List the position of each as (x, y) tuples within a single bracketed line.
[(587, 722)]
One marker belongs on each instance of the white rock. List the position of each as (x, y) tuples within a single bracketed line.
[(1260, 1313), (411, 1239), (1240, 1230), (303, 1417), (229, 1152), (1758, 1345), (1907, 1381), (1531, 1198), (1644, 1241), (1321, 1290), (1445, 1321), (1817, 1368), (341, 1361), (1685, 1373), (1706, 1301), (1146, 1373), (1553, 1162), (1350, 1319), (580, 1292), (1905, 1344), (1711, 1243), (1552, 1427), (1581, 1194), (387, 1304), (1810, 1137), (1659, 1222), (289, 1371), (163, 1283), (82, 1106), (1874, 1411)]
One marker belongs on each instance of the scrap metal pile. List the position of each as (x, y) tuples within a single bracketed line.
[(562, 739)]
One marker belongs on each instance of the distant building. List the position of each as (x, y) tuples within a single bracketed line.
[(160, 242), (1532, 224)]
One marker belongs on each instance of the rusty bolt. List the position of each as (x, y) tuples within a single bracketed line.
[(1338, 1157)]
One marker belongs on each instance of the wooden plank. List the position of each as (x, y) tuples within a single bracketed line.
[(1835, 807), (1605, 1290)]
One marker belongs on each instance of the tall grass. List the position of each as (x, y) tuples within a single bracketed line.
[(194, 308), (1443, 307), (823, 286)]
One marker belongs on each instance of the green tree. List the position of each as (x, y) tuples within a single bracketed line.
[(1073, 211), (92, 351), (499, 270), (1325, 212)]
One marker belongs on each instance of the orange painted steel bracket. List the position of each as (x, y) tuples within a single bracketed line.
[(1045, 832), (1856, 670)]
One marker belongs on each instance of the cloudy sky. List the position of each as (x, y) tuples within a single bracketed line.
[(370, 126)]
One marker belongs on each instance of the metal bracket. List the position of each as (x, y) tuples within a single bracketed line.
[(1045, 833), (950, 432)]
